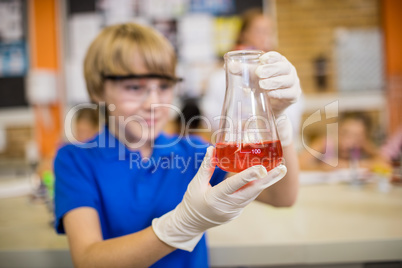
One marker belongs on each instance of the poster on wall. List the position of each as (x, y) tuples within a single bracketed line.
[(215, 7), (13, 52), (13, 59), (359, 69)]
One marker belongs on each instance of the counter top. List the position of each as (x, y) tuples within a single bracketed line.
[(328, 224)]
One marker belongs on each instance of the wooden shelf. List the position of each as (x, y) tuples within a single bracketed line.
[(350, 101)]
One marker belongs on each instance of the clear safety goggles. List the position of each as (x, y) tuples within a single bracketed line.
[(138, 87)]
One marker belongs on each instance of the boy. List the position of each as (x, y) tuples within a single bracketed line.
[(119, 205)]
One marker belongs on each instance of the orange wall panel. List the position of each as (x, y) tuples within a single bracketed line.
[(48, 129), (44, 32), (392, 23), (44, 48)]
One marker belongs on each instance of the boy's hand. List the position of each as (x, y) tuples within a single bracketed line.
[(204, 206), (279, 78)]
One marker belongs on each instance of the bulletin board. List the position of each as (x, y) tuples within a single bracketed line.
[(13, 53)]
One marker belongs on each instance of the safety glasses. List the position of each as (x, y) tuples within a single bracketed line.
[(138, 87), (141, 76)]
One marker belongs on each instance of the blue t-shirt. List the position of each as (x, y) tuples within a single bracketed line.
[(128, 191)]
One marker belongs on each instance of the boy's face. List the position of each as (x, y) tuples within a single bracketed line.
[(137, 107)]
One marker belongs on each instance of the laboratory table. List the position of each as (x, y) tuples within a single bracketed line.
[(329, 224)]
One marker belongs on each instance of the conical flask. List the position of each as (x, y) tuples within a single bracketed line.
[(247, 134)]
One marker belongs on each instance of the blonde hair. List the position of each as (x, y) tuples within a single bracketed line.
[(117, 50)]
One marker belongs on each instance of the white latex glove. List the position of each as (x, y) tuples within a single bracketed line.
[(204, 206), (279, 77)]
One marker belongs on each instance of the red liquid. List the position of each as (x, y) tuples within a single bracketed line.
[(234, 157)]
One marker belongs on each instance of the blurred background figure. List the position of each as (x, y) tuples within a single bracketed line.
[(190, 122), (256, 33), (354, 146), (86, 124), (392, 153), (393, 147)]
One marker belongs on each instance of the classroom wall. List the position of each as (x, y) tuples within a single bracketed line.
[(392, 25), (306, 29)]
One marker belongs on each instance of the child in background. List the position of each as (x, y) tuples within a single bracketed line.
[(392, 153), (189, 121), (86, 124), (133, 196), (354, 144)]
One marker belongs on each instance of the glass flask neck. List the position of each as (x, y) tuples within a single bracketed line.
[(244, 56)]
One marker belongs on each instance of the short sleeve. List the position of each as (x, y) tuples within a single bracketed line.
[(74, 185)]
